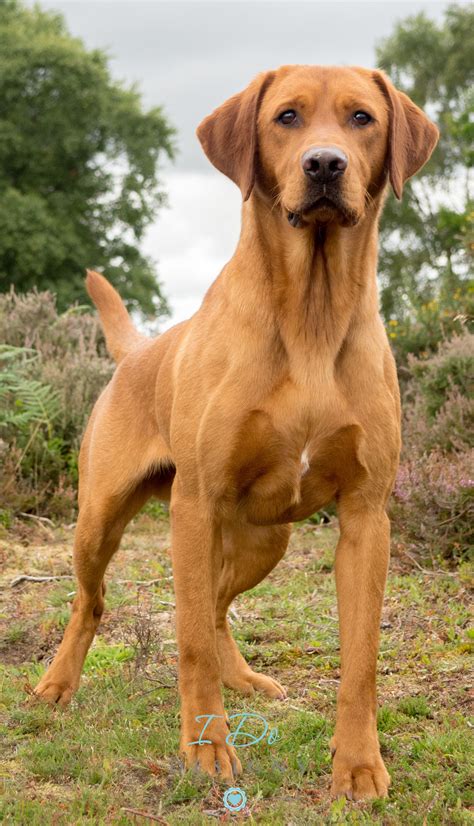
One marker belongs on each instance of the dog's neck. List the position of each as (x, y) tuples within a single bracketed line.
[(312, 282)]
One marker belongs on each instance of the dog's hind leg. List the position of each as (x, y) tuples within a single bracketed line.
[(115, 482), (249, 554), (100, 525)]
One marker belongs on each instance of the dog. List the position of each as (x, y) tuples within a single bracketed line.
[(278, 396)]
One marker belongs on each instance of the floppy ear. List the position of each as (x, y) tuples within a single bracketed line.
[(229, 135), (412, 136)]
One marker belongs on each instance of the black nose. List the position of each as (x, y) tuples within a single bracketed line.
[(324, 163)]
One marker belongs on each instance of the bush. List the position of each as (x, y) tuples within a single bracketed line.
[(432, 503), (429, 325), (451, 367), (53, 368), (451, 429), (439, 400)]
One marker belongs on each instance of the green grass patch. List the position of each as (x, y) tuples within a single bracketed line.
[(115, 748)]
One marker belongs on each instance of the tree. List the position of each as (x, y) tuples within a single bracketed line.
[(426, 242), (78, 165)]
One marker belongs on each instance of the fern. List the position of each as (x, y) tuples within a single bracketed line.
[(25, 402), (46, 395)]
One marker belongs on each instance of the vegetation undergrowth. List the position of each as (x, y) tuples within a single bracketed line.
[(115, 749)]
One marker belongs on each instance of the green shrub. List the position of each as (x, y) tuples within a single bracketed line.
[(52, 368), (432, 323)]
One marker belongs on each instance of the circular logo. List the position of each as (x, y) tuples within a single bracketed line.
[(235, 799)]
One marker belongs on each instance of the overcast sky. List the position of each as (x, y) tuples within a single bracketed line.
[(189, 57)]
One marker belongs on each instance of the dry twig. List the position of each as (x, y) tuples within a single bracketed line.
[(27, 578), (139, 813)]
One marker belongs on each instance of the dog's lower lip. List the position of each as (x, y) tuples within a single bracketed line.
[(321, 203)]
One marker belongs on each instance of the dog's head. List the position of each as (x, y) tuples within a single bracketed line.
[(319, 141)]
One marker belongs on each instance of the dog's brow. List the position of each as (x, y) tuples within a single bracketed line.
[(296, 101), (364, 100)]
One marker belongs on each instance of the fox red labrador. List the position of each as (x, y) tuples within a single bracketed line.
[(278, 396)]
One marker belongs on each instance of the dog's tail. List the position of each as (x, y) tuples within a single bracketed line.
[(120, 335)]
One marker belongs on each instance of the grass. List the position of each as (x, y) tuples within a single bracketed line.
[(114, 750)]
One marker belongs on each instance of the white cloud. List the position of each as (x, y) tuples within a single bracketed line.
[(193, 239)]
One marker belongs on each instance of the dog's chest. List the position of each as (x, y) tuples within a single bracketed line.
[(286, 466)]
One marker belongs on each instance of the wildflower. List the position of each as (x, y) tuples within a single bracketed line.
[(466, 483)]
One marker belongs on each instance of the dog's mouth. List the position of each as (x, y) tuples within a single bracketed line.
[(322, 210), (322, 203)]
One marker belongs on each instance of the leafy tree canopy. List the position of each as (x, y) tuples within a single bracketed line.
[(78, 164), (426, 240)]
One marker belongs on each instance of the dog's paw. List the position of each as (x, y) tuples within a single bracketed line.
[(216, 758), (248, 682), (54, 691), (218, 761), (358, 774)]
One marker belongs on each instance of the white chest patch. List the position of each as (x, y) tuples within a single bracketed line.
[(304, 462)]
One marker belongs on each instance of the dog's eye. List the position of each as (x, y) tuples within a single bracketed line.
[(361, 118), (287, 118)]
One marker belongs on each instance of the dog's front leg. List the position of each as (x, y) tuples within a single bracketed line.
[(361, 568), (197, 560)]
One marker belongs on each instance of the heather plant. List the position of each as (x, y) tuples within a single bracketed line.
[(451, 429), (52, 368), (439, 399), (433, 506), (433, 496), (452, 366)]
